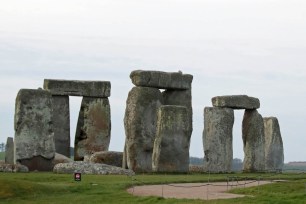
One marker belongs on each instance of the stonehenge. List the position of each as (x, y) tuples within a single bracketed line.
[(157, 122), (94, 123), (141, 121), (42, 122), (262, 143)]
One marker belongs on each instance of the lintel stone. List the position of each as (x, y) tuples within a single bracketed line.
[(161, 80), (236, 102), (99, 89)]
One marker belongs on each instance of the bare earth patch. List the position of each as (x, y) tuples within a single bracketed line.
[(205, 191)]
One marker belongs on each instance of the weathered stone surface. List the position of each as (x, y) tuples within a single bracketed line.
[(172, 141), (124, 158), (9, 151), (140, 127), (180, 98), (218, 139), (61, 124), (107, 157), (34, 136), (162, 80), (13, 168), (236, 102), (59, 158), (99, 89), (274, 150), (94, 127), (90, 168), (253, 141)]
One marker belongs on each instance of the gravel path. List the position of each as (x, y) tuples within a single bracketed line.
[(205, 191)]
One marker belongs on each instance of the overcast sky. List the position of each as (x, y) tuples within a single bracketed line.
[(253, 47)]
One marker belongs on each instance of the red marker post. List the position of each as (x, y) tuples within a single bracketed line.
[(77, 176)]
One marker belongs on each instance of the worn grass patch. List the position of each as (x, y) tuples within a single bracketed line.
[(60, 188)]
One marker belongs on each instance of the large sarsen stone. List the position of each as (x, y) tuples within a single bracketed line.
[(274, 150), (172, 141), (34, 136), (93, 128), (253, 141), (218, 139), (140, 127)]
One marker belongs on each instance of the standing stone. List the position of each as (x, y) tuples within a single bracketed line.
[(236, 102), (124, 158), (218, 139), (61, 124), (180, 98), (171, 146), (274, 151), (93, 128), (34, 136), (140, 127), (9, 151), (253, 141)]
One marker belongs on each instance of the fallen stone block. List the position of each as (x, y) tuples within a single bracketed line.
[(59, 158), (90, 168), (107, 157), (61, 124), (13, 168)]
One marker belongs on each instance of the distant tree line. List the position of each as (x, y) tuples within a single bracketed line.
[(2, 147), (236, 163)]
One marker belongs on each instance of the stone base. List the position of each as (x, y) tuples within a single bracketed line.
[(38, 163)]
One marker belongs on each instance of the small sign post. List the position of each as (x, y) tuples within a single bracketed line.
[(77, 176)]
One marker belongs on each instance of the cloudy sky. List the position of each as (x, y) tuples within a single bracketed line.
[(253, 47)]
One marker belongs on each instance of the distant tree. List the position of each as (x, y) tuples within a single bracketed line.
[(2, 147), (236, 164), (196, 161)]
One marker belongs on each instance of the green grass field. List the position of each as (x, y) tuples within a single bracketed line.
[(61, 188)]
